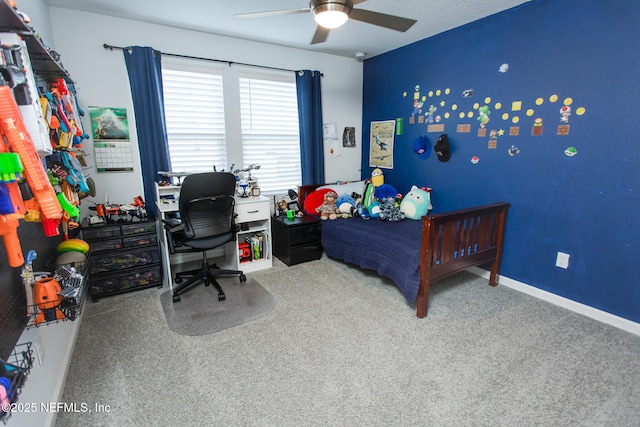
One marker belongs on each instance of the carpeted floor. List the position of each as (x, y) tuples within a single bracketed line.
[(343, 348)]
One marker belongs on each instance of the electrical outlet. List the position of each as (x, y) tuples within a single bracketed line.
[(562, 260)]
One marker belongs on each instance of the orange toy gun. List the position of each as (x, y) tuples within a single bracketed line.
[(13, 130)]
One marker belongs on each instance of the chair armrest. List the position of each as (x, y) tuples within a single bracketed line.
[(172, 225)]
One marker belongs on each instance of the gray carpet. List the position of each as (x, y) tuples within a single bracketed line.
[(200, 313), (343, 348)]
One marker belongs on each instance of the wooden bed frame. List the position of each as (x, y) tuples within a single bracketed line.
[(453, 241)]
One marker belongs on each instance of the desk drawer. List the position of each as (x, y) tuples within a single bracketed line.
[(248, 212)]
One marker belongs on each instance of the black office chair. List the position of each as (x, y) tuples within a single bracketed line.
[(207, 221)]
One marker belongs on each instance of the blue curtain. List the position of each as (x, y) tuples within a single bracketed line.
[(310, 116), (145, 79)]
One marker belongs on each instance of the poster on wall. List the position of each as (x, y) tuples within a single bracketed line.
[(111, 144), (381, 144), (349, 137)]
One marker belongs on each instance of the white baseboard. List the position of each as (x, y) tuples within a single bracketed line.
[(594, 313)]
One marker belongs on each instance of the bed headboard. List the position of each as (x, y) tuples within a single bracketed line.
[(304, 191)]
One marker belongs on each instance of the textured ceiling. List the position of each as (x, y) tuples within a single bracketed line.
[(217, 17)]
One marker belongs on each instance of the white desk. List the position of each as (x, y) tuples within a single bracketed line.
[(254, 215)]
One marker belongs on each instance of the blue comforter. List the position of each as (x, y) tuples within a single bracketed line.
[(390, 248)]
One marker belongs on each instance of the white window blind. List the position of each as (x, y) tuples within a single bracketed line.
[(270, 132), (233, 116), (194, 109)]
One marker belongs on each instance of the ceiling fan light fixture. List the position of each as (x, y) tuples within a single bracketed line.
[(331, 15)]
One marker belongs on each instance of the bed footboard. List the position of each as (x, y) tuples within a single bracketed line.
[(456, 240)]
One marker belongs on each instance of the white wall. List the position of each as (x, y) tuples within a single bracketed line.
[(102, 81)]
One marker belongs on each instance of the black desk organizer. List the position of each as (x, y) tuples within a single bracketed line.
[(15, 370), (125, 257)]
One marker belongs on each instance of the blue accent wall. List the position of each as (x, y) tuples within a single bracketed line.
[(581, 53)]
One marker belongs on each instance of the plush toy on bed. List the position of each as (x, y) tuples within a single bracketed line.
[(416, 203), (389, 211), (328, 209), (385, 190), (361, 211), (346, 205)]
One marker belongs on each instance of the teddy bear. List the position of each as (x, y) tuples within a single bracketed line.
[(328, 209), (282, 207)]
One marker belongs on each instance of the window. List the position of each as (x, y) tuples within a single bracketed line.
[(194, 111), (270, 132), (232, 117)]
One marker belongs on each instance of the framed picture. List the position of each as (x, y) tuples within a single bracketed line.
[(381, 144)]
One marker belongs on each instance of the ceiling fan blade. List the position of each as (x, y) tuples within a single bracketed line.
[(271, 13), (355, 2), (320, 35), (382, 19)]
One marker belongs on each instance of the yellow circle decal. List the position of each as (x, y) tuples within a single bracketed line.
[(515, 119), (447, 91), (498, 106), (475, 106), (580, 111), (553, 98), (430, 93), (438, 92), (568, 101), (539, 101), (470, 114), (424, 98), (454, 107), (505, 116), (461, 115), (487, 100), (446, 115), (530, 112)]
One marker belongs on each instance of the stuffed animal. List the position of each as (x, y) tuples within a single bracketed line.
[(346, 205), (416, 203), (385, 190), (282, 207), (374, 209), (389, 211), (368, 196), (328, 209), (360, 211), (377, 177)]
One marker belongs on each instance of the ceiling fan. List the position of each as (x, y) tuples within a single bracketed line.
[(330, 14)]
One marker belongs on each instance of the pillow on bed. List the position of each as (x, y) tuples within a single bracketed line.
[(348, 188), (314, 200)]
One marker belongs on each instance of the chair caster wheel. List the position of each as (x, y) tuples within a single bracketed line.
[(243, 278), (222, 297), (176, 298)]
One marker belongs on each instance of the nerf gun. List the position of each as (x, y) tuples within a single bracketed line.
[(14, 132), (69, 105), (11, 206)]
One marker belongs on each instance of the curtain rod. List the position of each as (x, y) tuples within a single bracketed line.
[(110, 47)]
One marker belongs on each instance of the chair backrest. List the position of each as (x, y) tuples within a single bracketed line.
[(207, 204)]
